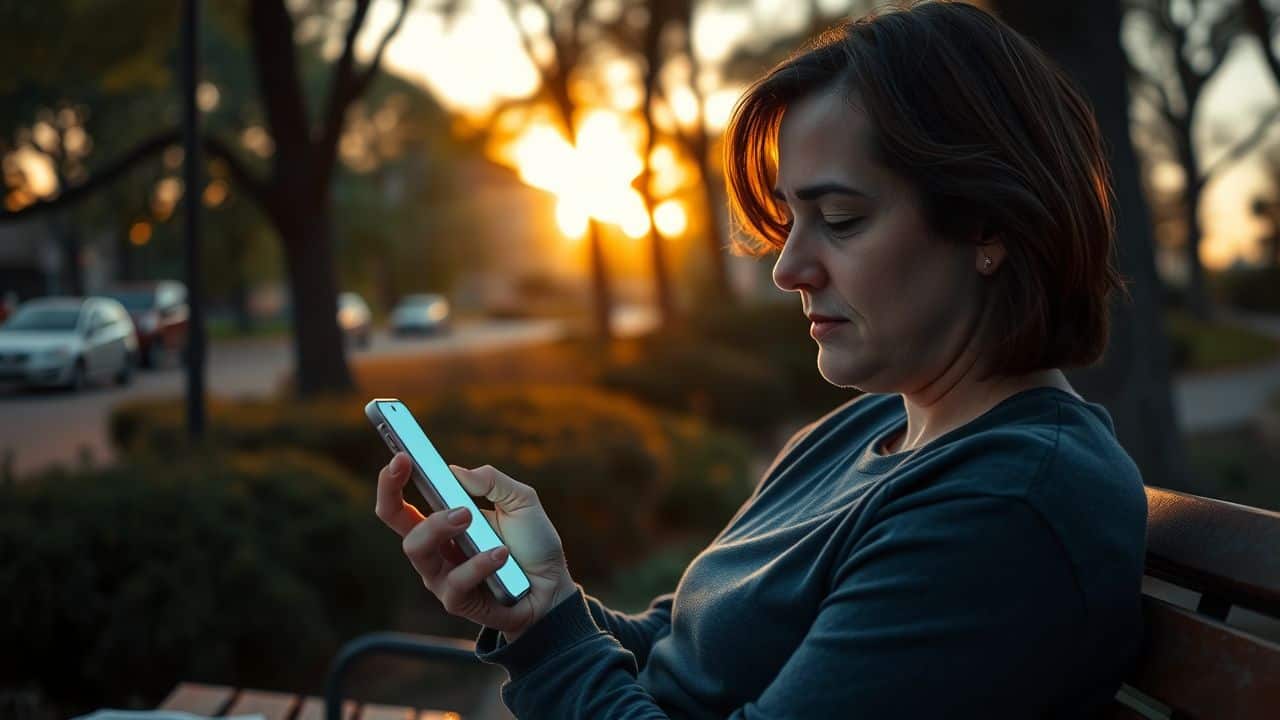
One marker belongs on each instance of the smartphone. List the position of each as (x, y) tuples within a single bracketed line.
[(433, 478)]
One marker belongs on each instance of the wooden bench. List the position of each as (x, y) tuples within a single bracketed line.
[(218, 700), (1210, 600)]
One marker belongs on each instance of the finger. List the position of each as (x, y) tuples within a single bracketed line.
[(461, 593), (391, 508), (425, 545), (506, 494)]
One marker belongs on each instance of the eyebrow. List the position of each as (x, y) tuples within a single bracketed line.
[(813, 192)]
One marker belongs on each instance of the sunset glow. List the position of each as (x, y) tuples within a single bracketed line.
[(593, 180)]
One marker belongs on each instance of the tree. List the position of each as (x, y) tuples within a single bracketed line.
[(1190, 65), (570, 32), (295, 192), (1132, 380)]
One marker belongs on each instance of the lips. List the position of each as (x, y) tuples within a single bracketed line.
[(824, 325)]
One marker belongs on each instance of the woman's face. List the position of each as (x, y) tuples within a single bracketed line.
[(902, 303)]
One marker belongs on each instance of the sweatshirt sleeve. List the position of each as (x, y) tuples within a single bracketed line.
[(962, 609), (638, 632)]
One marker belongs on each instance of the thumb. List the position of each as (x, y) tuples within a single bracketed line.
[(503, 491)]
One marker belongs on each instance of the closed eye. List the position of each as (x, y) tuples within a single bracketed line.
[(843, 224)]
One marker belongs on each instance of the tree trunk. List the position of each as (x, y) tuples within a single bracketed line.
[(717, 230), (653, 59), (601, 294), (305, 232), (1197, 293), (1133, 379)]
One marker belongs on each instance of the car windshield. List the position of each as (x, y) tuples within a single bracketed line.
[(44, 319), (136, 299)]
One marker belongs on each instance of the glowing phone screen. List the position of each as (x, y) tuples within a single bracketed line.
[(437, 471)]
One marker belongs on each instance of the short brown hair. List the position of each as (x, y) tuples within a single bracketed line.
[(992, 137)]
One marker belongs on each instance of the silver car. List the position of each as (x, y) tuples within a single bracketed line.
[(68, 342), (424, 313)]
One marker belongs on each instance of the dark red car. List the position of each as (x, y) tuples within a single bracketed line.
[(160, 314)]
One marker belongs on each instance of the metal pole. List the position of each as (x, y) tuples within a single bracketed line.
[(192, 186)]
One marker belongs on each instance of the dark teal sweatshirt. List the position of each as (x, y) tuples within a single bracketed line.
[(992, 573)]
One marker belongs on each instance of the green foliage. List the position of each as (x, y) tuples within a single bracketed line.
[(248, 570), (722, 384), (1200, 345), (612, 473)]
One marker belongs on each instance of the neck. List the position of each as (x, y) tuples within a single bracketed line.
[(934, 411)]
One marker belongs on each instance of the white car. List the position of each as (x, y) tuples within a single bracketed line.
[(68, 342), (425, 313)]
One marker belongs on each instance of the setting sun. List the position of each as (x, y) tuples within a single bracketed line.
[(592, 180)]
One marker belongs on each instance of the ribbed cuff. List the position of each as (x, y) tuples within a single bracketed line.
[(568, 624)]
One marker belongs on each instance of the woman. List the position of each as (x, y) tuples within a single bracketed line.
[(964, 540)]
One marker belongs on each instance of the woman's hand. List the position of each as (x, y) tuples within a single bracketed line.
[(459, 582)]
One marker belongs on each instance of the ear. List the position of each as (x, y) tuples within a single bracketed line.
[(990, 247)]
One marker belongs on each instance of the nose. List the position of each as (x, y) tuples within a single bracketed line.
[(797, 267)]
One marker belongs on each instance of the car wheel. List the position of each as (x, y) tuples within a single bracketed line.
[(125, 376), (77, 381)]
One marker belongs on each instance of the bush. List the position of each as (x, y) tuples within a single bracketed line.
[(1255, 289), (612, 473), (752, 367), (247, 571), (718, 383)]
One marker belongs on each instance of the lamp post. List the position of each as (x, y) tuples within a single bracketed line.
[(191, 177)]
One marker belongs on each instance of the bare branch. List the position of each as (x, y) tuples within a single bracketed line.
[(362, 82), (244, 178), (1243, 146), (1259, 24), (513, 11), (341, 81), (108, 174)]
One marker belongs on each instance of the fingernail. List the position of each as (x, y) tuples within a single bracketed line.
[(456, 515), (397, 463), (499, 554)]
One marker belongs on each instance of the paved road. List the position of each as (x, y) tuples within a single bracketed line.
[(42, 427), (1230, 398)]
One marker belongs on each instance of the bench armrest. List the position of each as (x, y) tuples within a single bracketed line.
[(424, 647)]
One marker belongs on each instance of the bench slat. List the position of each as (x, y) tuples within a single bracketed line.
[(313, 709), (271, 705), (386, 712), (1215, 547), (198, 699), (1205, 668)]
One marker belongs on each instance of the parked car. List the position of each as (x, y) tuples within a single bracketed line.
[(68, 342), (354, 319), (161, 316), (422, 313)]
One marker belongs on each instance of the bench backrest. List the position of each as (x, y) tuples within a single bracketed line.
[(1193, 664)]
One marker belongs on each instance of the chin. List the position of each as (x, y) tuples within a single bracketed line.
[(842, 371)]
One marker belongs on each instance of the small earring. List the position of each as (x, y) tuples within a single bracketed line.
[(987, 262)]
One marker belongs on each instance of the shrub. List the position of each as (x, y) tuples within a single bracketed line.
[(715, 382), (1249, 288), (611, 472), (753, 367), (248, 570)]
